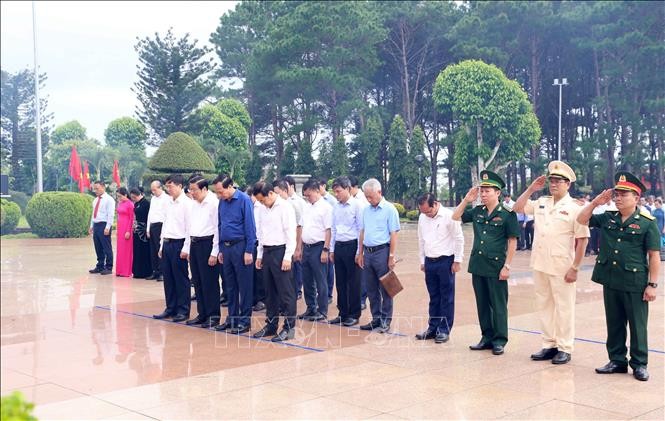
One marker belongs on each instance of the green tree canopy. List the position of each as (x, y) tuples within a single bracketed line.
[(235, 109), (180, 153), (72, 130), (126, 131)]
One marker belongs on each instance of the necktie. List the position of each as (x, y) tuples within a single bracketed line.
[(99, 200)]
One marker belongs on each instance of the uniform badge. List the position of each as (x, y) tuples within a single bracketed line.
[(541, 207), (622, 178), (634, 226), (496, 218), (563, 212), (485, 177)]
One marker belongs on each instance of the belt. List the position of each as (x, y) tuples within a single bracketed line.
[(372, 249), (232, 242), (206, 238), (100, 222), (346, 243), (170, 240), (270, 248), (436, 259), (320, 243), (155, 223)]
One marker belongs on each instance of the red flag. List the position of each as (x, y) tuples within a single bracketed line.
[(116, 173), (86, 175), (75, 166)]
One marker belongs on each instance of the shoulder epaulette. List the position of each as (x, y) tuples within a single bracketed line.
[(647, 215)]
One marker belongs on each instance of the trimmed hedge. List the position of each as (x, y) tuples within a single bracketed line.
[(180, 153), (10, 213), (59, 214), (20, 198), (401, 210), (412, 215)]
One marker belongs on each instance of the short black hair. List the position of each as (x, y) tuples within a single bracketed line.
[(199, 181), (282, 184), (100, 182), (176, 179), (428, 198), (311, 184), (290, 180), (262, 188), (194, 175), (353, 180), (250, 191), (225, 179), (323, 182), (135, 191), (342, 182), (123, 191)]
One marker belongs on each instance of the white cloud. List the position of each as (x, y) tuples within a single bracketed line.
[(87, 49)]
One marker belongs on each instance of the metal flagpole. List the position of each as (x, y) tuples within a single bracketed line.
[(40, 178)]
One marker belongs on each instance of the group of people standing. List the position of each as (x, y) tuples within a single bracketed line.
[(627, 266)]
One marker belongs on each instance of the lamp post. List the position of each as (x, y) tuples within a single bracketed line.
[(419, 160), (40, 178), (560, 83)]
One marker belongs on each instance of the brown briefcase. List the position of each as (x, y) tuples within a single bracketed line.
[(391, 283)]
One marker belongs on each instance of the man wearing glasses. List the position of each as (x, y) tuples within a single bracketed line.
[(558, 248)]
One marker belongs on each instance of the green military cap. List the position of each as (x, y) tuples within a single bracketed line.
[(628, 182), (491, 179)]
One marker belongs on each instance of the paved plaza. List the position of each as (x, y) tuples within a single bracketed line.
[(85, 346)]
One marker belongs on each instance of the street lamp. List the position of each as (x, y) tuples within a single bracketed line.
[(560, 83), (419, 160)]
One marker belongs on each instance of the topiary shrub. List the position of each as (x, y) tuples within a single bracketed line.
[(10, 213), (400, 209), (59, 214), (20, 198), (14, 407), (412, 215), (180, 154)]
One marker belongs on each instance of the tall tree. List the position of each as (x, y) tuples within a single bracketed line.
[(398, 165), (72, 130), (173, 80)]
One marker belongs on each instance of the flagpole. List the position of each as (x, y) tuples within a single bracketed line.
[(40, 177)]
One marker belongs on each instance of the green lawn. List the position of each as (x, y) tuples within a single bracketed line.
[(20, 236)]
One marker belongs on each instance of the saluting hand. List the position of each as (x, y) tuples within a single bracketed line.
[(538, 184), (472, 194), (603, 198)]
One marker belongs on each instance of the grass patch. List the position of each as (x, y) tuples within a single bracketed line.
[(20, 236)]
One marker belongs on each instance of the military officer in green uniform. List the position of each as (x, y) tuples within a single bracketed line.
[(495, 230), (629, 279)]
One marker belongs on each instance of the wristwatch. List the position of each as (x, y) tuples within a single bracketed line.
[(653, 284), (326, 249), (507, 266)]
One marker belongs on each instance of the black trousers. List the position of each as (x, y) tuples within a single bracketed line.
[(176, 278), (259, 288), (155, 235), (348, 279), (205, 279), (103, 247), (280, 293)]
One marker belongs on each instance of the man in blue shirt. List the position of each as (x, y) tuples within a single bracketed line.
[(378, 236), (103, 211), (237, 239)]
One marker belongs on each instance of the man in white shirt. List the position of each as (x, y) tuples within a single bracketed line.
[(298, 203), (330, 270), (154, 224), (508, 201), (203, 253), (347, 216), (358, 194), (103, 212), (277, 243), (259, 296), (441, 247), (316, 233), (174, 251)]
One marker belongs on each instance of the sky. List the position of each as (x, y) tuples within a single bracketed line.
[(87, 50)]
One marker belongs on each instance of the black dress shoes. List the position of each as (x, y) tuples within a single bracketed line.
[(480, 346), (441, 338), (561, 358), (162, 315), (259, 306), (151, 277), (336, 321), (371, 325), (160, 278), (497, 350), (239, 329), (382, 328), (284, 335), (544, 354), (350, 322), (195, 321), (95, 270), (180, 318), (223, 326), (267, 330), (307, 314), (210, 323), (611, 368), (641, 373), (105, 272), (428, 334), (317, 317)]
